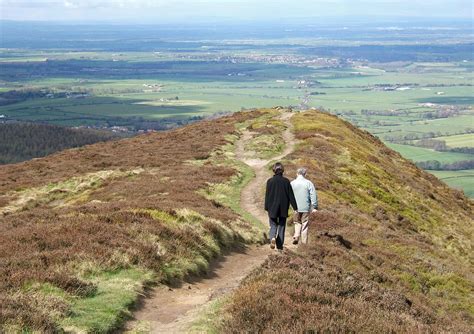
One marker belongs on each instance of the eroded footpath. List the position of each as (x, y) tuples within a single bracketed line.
[(174, 309)]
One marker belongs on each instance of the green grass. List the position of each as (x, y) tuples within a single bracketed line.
[(461, 179), (437, 284), (228, 194), (103, 310), (66, 192), (116, 292), (266, 146), (208, 320)]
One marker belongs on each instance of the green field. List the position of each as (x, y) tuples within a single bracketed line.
[(423, 154), (465, 140), (342, 93), (461, 179)]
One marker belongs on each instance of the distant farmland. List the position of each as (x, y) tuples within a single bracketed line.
[(401, 93)]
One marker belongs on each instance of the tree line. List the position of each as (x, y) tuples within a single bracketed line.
[(24, 141), (436, 165)]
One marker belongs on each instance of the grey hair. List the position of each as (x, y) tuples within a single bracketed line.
[(301, 171)]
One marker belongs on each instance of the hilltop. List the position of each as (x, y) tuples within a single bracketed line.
[(83, 231)]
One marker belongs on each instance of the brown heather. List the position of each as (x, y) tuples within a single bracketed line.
[(390, 249), (115, 223)]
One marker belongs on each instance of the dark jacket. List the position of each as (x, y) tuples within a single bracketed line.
[(278, 197)]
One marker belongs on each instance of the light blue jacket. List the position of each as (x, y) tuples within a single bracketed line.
[(305, 194)]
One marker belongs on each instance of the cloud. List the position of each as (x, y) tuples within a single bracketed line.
[(28, 3), (236, 9), (92, 3), (232, 3)]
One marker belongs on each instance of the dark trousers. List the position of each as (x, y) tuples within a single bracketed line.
[(277, 230)]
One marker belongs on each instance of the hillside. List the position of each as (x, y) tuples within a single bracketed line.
[(84, 230), (390, 249), (24, 141)]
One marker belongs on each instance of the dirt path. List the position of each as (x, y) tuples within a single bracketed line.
[(168, 310), (251, 198)]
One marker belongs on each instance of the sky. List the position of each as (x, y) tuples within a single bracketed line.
[(164, 11)]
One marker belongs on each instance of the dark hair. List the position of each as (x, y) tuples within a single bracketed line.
[(278, 168)]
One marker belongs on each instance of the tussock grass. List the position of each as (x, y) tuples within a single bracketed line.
[(228, 194), (142, 327), (266, 146), (62, 193)]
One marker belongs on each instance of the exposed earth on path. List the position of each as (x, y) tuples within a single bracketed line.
[(173, 309)]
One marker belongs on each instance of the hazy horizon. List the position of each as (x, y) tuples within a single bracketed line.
[(222, 11)]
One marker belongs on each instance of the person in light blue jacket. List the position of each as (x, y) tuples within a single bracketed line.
[(307, 202)]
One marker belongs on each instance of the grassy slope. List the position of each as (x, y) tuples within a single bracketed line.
[(389, 251), (82, 231)]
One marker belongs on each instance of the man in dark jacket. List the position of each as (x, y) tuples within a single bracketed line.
[(278, 197)]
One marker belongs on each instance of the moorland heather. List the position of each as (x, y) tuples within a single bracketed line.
[(390, 249)]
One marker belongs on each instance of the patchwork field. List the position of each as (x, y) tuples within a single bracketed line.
[(400, 87)]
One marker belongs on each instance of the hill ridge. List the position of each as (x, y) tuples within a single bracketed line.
[(176, 310), (388, 232)]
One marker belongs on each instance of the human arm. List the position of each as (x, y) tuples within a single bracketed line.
[(267, 192), (292, 198), (313, 196)]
